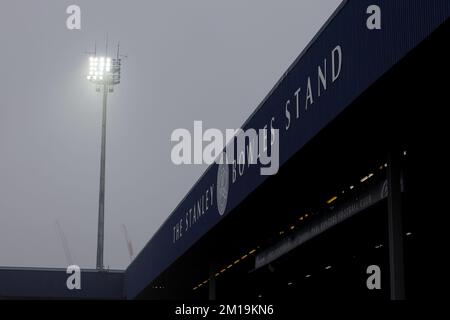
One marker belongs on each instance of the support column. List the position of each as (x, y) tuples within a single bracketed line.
[(395, 227)]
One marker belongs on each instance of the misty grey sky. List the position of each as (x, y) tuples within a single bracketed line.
[(187, 60)]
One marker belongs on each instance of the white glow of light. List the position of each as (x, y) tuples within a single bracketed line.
[(332, 200), (327, 267)]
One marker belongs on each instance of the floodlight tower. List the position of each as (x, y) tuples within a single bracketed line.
[(104, 72)]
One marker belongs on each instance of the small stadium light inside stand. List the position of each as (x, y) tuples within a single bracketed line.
[(331, 200), (409, 233), (351, 187), (259, 295), (308, 276), (327, 267), (290, 283)]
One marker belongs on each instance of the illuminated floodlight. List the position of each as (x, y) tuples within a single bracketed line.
[(100, 70)]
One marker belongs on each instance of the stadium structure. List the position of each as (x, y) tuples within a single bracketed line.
[(361, 119)]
